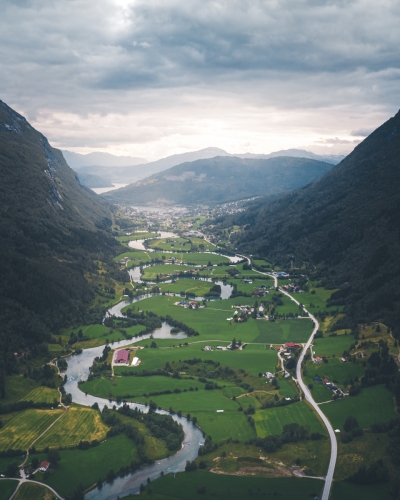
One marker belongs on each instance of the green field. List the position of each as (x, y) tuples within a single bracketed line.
[(136, 236), (271, 420), (7, 486), (253, 358), (79, 424), (335, 371), (329, 346), (32, 491), (187, 285), (168, 270), (181, 244), (86, 466), (19, 432), (43, 395), (343, 491), (196, 258), (227, 487), (371, 405), (17, 388), (222, 426), (211, 322)]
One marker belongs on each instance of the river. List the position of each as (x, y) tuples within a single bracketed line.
[(78, 369)]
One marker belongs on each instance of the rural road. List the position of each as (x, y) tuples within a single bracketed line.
[(310, 399), (21, 481)]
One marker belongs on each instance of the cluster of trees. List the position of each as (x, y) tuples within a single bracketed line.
[(292, 433)]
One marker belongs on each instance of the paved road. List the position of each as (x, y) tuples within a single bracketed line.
[(310, 399), (21, 481)]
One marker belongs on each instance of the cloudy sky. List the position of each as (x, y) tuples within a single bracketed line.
[(152, 78)]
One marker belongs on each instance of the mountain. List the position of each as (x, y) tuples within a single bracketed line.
[(125, 170), (77, 160), (298, 153), (219, 180), (346, 224), (93, 181), (51, 230)]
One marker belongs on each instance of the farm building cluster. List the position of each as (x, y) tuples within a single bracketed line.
[(188, 304), (122, 357), (329, 385)]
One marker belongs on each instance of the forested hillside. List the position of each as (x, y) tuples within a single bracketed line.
[(51, 229), (221, 179), (345, 227)]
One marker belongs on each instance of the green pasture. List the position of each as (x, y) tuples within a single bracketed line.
[(370, 405), (187, 285), (163, 270), (78, 424), (135, 386), (195, 258), (87, 466), (43, 395), (271, 420), (18, 387), (7, 486), (136, 236), (253, 358), (33, 491), (211, 322), (225, 425), (20, 432), (226, 487), (343, 490), (316, 302), (329, 346), (335, 370)]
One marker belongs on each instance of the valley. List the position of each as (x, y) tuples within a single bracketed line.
[(241, 353)]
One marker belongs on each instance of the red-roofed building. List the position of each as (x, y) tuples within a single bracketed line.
[(122, 356), (292, 345), (44, 465)]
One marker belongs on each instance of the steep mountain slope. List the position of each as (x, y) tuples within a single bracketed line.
[(50, 230), (221, 179), (347, 224), (298, 153)]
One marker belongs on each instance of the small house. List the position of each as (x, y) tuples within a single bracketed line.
[(122, 356), (44, 465)]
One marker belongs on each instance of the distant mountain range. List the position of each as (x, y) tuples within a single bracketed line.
[(77, 160), (125, 170), (219, 180), (345, 225)]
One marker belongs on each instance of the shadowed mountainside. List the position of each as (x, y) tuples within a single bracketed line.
[(221, 179), (347, 224), (51, 228)]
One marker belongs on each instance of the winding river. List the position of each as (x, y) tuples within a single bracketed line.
[(79, 368)]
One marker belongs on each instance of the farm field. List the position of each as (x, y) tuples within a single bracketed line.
[(18, 387), (211, 322), (222, 426), (253, 358), (335, 371), (343, 490), (79, 424), (43, 395), (151, 273), (32, 491), (316, 302), (19, 432), (226, 487), (136, 236), (87, 466), (7, 486), (329, 346), (187, 285), (272, 420), (371, 405)]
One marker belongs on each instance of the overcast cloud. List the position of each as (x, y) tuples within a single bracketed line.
[(152, 78)]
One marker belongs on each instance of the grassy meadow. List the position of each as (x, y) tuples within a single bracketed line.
[(33, 491)]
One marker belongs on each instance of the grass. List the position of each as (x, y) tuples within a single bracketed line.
[(79, 424), (7, 486), (226, 487), (329, 346), (17, 387), (197, 287), (211, 322), (87, 466), (363, 450), (343, 490), (19, 432), (43, 395), (271, 420), (222, 426), (335, 371), (168, 270), (137, 236), (253, 358), (372, 404), (197, 258), (32, 491)]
